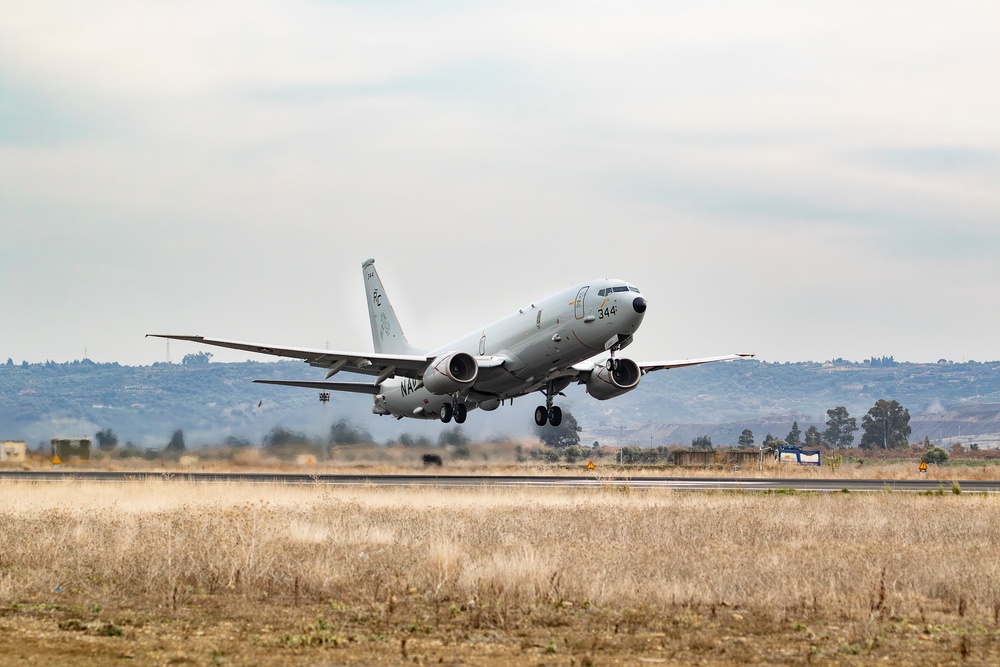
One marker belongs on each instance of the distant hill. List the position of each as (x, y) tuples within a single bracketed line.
[(209, 401), (947, 401)]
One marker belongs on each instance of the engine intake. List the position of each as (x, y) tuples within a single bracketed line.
[(604, 384), (450, 373)]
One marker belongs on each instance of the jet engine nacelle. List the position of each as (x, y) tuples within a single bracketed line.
[(451, 372), (604, 384)]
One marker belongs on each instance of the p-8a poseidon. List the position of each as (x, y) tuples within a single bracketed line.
[(572, 336)]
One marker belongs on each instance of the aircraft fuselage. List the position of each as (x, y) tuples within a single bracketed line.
[(538, 344)]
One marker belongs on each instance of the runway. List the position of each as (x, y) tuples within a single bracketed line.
[(525, 481)]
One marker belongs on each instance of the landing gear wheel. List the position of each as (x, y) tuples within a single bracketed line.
[(555, 415), (541, 415), (612, 365), (460, 413), (446, 412)]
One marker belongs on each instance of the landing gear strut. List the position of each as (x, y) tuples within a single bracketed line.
[(612, 363), (548, 413)]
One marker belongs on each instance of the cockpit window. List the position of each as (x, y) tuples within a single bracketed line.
[(621, 288)]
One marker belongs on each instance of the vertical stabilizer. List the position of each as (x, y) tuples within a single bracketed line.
[(387, 334)]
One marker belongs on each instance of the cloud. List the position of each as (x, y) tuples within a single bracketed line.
[(223, 167)]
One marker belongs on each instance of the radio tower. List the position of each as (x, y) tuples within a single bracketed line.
[(168, 351)]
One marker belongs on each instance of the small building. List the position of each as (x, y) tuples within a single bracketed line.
[(742, 457), (65, 448), (13, 451), (699, 457)]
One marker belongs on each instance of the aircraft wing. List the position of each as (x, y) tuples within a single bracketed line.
[(649, 366), (355, 387), (370, 363)]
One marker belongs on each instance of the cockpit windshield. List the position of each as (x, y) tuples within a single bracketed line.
[(621, 288)]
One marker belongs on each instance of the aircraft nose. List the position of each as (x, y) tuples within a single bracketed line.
[(639, 304)]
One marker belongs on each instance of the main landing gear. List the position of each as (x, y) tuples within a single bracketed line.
[(457, 410), (549, 413)]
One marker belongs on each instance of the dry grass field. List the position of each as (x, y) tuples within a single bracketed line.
[(161, 572)]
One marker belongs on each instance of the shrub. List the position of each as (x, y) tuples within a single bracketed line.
[(936, 455)]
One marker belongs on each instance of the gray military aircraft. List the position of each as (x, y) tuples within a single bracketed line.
[(544, 347)]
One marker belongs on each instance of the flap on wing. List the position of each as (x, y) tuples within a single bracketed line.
[(354, 387), (649, 366), (406, 365)]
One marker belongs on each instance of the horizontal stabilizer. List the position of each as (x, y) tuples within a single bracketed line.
[(354, 387)]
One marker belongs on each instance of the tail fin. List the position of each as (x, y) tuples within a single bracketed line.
[(387, 334)]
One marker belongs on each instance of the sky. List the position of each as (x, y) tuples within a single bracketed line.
[(802, 181)]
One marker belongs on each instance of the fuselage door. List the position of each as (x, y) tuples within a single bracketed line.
[(580, 296)]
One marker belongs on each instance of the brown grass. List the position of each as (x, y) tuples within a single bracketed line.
[(320, 566), (775, 554)]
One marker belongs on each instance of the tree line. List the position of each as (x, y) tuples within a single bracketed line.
[(285, 442), (885, 426)]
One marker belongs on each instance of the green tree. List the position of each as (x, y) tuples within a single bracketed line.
[(886, 426), (344, 432), (746, 439), (840, 428), (236, 442), (454, 437), (935, 455), (793, 437), (129, 451), (566, 434), (813, 437), (282, 441), (199, 359), (702, 442), (176, 444), (106, 439), (772, 443)]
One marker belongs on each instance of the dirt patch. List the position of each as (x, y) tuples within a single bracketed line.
[(417, 632)]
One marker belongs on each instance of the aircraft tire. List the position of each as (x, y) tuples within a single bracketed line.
[(446, 413), (460, 413), (541, 416), (555, 415)]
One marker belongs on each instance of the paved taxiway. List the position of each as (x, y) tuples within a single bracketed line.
[(590, 481)]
